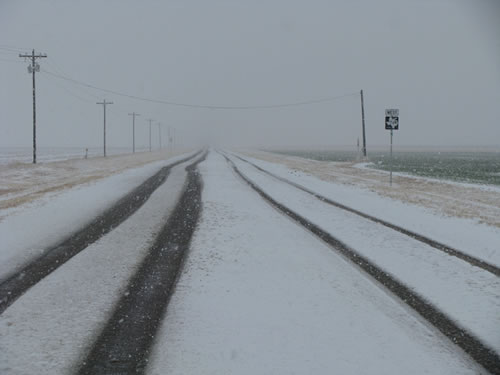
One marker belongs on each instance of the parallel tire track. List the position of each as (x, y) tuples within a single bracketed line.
[(435, 244), (19, 282), (124, 344), (481, 353)]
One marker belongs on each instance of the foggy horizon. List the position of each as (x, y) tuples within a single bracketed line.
[(437, 61)]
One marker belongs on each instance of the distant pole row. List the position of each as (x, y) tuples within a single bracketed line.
[(35, 67), (134, 115)]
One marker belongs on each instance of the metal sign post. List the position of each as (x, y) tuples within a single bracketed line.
[(391, 123), (390, 178)]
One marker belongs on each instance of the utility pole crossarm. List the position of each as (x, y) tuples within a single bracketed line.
[(40, 55)]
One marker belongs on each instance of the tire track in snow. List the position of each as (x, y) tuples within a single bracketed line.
[(433, 243), (124, 344), (481, 353), (16, 284)]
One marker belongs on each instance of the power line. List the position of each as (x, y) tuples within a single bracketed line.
[(12, 50), (201, 106), (11, 61), (78, 93), (12, 47), (70, 92), (60, 71)]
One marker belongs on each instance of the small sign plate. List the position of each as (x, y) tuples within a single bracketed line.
[(392, 119)]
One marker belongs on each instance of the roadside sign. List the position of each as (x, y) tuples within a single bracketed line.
[(392, 119), (391, 123)]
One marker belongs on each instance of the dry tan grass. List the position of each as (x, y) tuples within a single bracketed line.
[(22, 183), (455, 200)]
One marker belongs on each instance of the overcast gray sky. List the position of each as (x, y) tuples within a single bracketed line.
[(438, 61)]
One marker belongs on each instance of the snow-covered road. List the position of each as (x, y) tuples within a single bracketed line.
[(467, 294), (257, 294), (261, 295), (49, 329)]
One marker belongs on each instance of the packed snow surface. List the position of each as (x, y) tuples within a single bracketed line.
[(468, 294), (50, 328), (29, 227), (464, 217), (478, 203), (258, 293)]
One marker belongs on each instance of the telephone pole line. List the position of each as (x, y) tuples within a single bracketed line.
[(150, 121), (34, 67), (104, 103), (363, 123), (159, 132), (133, 114), (169, 139)]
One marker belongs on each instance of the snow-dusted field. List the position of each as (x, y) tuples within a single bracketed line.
[(258, 293), (479, 203), (22, 182), (11, 155)]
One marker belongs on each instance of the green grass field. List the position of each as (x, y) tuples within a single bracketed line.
[(469, 167)]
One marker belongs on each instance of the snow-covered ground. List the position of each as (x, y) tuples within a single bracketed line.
[(469, 295), (48, 330), (478, 203), (261, 295), (258, 294), (463, 217), (24, 182), (78, 196), (15, 155)]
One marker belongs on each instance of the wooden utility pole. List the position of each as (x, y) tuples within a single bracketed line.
[(159, 133), (150, 121), (133, 114), (34, 67), (363, 123), (104, 103), (169, 139)]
